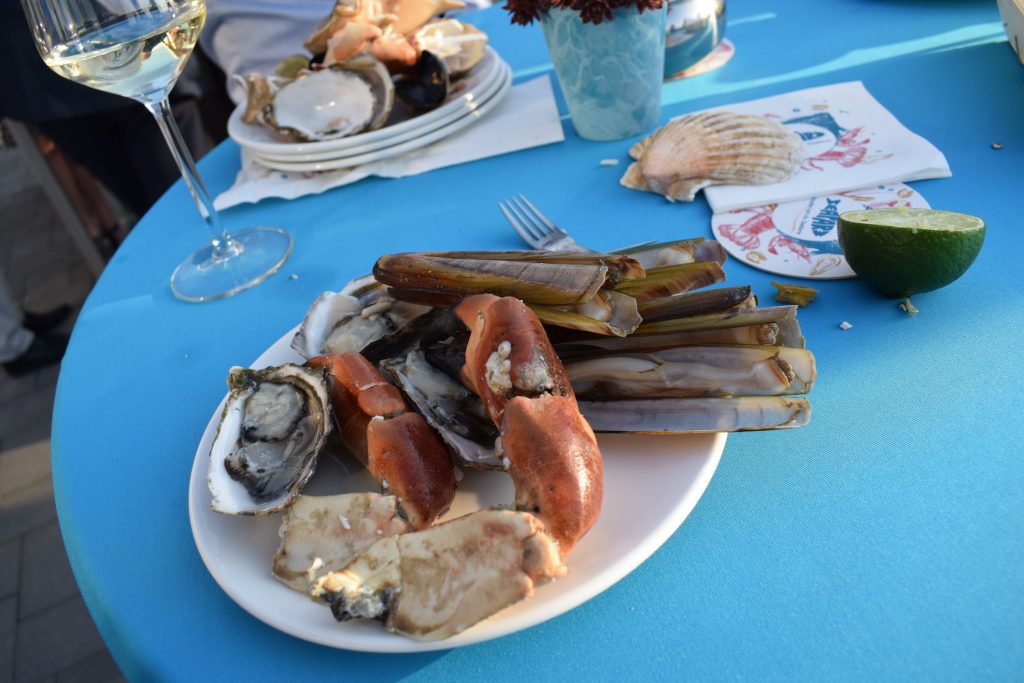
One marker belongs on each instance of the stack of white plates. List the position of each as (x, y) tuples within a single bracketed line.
[(473, 96)]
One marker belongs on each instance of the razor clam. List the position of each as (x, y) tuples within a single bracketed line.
[(732, 318), (673, 253), (764, 334), (351, 319), (455, 412), (696, 415), (609, 312), (670, 280), (273, 426), (697, 303), (537, 277), (695, 371)]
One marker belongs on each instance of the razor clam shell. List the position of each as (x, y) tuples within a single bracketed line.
[(695, 371), (731, 318), (697, 303), (456, 413), (673, 253), (696, 415), (764, 334), (669, 280), (609, 313), (443, 280)]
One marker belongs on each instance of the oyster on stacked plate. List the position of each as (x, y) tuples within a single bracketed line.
[(712, 148), (342, 99)]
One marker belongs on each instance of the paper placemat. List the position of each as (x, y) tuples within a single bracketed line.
[(527, 118), (850, 140)]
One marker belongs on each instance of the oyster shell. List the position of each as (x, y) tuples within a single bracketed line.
[(461, 46), (343, 99), (362, 312), (273, 426), (712, 148)]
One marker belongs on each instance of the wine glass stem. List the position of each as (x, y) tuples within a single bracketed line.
[(223, 245)]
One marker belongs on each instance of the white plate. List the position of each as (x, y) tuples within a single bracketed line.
[(259, 139), (651, 485), (483, 92), (409, 145)]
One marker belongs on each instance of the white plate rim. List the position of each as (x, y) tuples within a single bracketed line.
[(388, 152), (499, 625), (484, 91), (242, 133)]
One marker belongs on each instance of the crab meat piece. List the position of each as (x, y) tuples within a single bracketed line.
[(433, 584), (322, 534)]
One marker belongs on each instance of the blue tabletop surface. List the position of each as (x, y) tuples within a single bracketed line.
[(885, 540)]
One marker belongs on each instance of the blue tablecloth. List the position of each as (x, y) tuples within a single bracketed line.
[(885, 540)]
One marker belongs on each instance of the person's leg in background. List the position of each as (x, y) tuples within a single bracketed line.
[(25, 340)]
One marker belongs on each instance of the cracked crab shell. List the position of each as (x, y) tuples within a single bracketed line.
[(713, 148)]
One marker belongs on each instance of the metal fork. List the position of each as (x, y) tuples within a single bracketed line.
[(535, 228)]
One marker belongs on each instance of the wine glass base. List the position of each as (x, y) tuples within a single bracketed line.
[(259, 252)]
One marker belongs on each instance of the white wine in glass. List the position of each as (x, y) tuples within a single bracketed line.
[(137, 49)]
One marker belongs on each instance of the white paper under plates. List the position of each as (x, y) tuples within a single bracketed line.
[(800, 239), (527, 117), (850, 140)]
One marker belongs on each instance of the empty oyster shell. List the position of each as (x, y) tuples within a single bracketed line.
[(712, 148), (270, 434), (343, 99), (461, 46)]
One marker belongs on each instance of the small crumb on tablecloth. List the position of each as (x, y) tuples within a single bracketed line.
[(293, 276), (997, 145), (908, 307), (845, 325), (609, 162)]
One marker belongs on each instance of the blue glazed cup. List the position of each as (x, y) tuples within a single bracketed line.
[(610, 73)]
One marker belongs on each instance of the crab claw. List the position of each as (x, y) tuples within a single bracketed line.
[(555, 464), (508, 353), (398, 447)]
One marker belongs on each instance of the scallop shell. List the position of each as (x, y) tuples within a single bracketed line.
[(712, 148)]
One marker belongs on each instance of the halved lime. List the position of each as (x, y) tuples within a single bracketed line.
[(902, 251)]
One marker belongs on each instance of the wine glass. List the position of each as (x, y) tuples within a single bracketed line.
[(137, 49)]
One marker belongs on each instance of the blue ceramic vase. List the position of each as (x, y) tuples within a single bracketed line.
[(610, 73)]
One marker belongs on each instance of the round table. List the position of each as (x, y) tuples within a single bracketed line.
[(884, 540)]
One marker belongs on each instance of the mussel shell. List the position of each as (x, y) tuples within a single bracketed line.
[(427, 87)]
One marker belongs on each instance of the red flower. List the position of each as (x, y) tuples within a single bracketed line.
[(591, 11)]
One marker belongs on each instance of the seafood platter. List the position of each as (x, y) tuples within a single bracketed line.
[(465, 444), (379, 78)]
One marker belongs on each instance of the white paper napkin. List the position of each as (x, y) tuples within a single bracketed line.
[(528, 117), (851, 141)]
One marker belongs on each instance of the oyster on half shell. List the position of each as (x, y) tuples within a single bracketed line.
[(342, 99), (274, 424)]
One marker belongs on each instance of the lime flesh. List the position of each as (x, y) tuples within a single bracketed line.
[(901, 251)]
